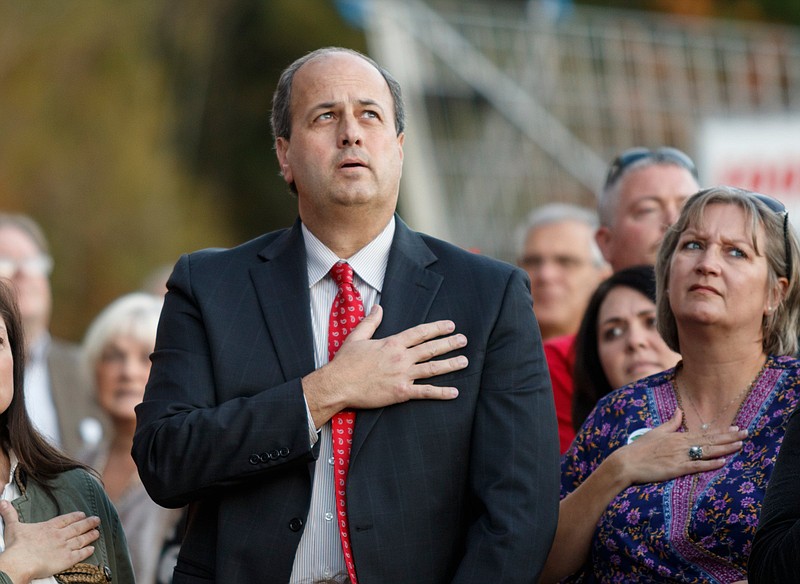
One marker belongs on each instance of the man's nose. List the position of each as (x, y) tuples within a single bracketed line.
[(671, 213), (547, 270), (349, 132)]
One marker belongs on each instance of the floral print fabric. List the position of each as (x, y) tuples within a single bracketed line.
[(696, 528)]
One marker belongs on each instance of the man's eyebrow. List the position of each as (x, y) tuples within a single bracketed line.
[(369, 102), (324, 105), (330, 104), (654, 198)]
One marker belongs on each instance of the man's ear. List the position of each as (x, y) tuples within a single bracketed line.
[(605, 241), (282, 151)]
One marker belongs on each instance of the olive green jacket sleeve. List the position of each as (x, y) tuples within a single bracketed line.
[(77, 490)]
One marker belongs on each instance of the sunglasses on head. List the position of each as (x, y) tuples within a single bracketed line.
[(666, 155), (777, 207)]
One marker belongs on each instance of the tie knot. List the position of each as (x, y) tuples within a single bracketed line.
[(342, 274)]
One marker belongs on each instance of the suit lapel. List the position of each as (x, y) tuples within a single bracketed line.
[(281, 284), (409, 288)]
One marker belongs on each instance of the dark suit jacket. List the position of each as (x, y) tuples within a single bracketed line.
[(776, 547), (438, 491)]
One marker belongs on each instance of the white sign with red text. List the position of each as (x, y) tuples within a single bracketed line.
[(756, 153)]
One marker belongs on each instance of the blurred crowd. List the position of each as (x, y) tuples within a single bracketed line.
[(669, 320), (670, 356)]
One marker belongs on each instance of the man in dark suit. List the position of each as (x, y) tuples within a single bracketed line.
[(453, 472)]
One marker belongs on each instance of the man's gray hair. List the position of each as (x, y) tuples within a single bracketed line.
[(27, 226), (281, 118), (560, 213), (608, 196)]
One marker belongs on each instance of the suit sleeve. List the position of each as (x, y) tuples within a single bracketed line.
[(776, 548), (187, 442), (514, 456)]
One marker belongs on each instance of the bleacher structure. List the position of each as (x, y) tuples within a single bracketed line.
[(511, 106)]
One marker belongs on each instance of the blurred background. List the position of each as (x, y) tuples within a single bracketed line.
[(137, 131)]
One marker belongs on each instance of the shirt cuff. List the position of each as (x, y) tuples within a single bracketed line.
[(313, 433)]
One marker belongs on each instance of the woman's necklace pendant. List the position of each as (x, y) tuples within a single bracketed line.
[(704, 427)]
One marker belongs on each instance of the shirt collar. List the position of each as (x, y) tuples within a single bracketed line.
[(13, 462), (369, 262)]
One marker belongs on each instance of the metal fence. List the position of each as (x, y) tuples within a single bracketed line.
[(511, 108)]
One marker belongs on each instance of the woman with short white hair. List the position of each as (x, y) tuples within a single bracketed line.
[(116, 353)]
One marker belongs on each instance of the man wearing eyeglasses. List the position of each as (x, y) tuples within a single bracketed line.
[(642, 196), (558, 250), (58, 399)]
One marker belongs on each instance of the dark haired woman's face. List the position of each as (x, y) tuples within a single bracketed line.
[(628, 343), (6, 369)]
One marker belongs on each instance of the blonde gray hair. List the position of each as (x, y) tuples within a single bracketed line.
[(780, 328)]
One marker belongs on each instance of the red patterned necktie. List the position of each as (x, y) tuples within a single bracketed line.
[(346, 312)]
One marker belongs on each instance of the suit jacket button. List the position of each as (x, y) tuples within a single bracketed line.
[(296, 524), (284, 452), (274, 454), (254, 459), (264, 457)]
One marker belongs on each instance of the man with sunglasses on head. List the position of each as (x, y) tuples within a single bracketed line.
[(58, 398), (642, 196)]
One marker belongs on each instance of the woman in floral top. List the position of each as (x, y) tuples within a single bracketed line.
[(664, 481)]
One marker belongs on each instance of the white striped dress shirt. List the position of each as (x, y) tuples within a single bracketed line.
[(319, 556)]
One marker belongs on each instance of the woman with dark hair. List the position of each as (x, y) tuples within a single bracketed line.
[(664, 481), (57, 523), (617, 342)]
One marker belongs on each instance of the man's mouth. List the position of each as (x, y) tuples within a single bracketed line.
[(352, 163)]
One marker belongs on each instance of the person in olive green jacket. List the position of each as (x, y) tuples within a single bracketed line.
[(57, 525)]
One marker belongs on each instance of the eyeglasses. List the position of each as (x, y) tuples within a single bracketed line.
[(564, 262), (777, 207), (659, 155), (40, 265)]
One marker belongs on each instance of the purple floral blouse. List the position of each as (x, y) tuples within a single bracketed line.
[(696, 528)]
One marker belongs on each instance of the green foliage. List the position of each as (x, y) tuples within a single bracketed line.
[(226, 138), (136, 131)]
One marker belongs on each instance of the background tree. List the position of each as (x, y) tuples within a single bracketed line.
[(136, 131)]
